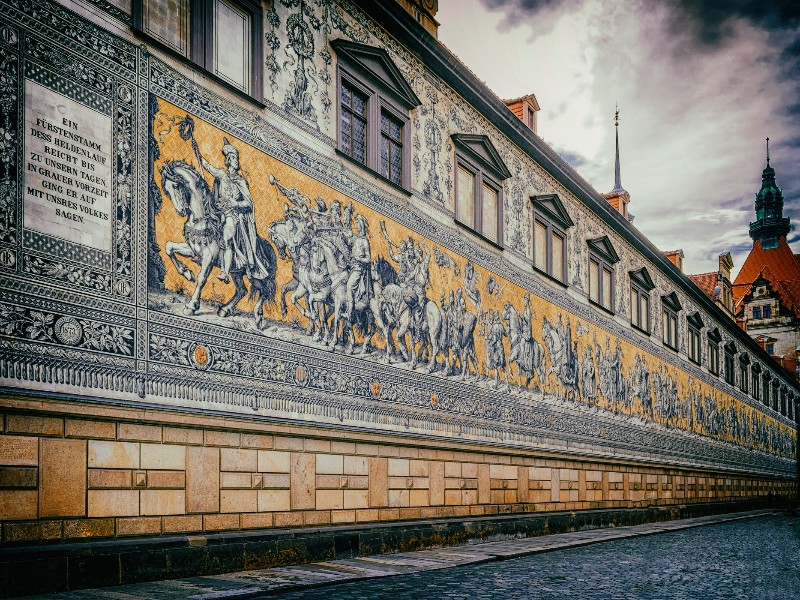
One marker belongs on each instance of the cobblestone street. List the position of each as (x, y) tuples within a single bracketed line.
[(753, 558)]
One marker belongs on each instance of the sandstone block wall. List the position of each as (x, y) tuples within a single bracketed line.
[(77, 472)]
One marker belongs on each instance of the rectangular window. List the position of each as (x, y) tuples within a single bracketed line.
[(713, 357), (478, 201), (756, 312), (232, 44), (767, 312), (391, 148), (640, 308), (594, 284), (549, 248), (489, 213), (669, 323), (168, 22), (744, 378), (765, 391), (729, 374), (465, 206), (770, 348), (559, 251), (694, 345), (601, 283), (354, 123), (373, 110), (607, 289), (223, 37), (756, 385), (540, 245)]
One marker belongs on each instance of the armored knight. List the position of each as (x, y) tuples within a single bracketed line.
[(232, 197)]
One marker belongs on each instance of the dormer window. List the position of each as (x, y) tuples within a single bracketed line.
[(550, 222), (602, 258)]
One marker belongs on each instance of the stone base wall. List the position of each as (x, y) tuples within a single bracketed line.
[(71, 471)]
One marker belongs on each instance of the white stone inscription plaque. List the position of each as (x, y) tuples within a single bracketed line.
[(67, 169)]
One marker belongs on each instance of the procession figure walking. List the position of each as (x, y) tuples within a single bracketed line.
[(231, 194)]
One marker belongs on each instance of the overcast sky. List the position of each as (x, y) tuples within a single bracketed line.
[(699, 86)]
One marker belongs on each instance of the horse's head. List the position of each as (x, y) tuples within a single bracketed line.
[(181, 182), (277, 233)]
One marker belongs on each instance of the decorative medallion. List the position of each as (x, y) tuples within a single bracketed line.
[(68, 331), (301, 375), (200, 356), (376, 389)]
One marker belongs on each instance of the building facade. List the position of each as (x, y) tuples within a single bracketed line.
[(767, 288), (287, 264)]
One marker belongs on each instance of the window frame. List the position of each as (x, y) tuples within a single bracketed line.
[(372, 73), (602, 253), (694, 329), (670, 312), (755, 380), (640, 288), (766, 385), (766, 311), (757, 315), (549, 211), (730, 367), (713, 338), (776, 387), (200, 51), (744, 373), (476, 154)]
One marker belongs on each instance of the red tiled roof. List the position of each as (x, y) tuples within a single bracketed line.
[(788, 291), (780, 260), (780, 266), (707, 282)]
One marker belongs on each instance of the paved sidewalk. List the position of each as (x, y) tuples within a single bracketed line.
[(278, 580)]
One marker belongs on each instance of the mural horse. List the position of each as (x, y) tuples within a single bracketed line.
[(563, 360), (292, 237), (423, 326), (202, 232), (525, 350)]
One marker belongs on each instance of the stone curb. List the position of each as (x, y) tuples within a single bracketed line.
[(281, 580)]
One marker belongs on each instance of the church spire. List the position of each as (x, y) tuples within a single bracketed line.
[(618, 197), (770, 224), (617, 178)]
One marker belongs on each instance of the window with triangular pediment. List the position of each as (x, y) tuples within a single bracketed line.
[(550, 222), (479, 191), (373, 112)]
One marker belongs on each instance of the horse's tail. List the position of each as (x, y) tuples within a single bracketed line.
[(267, 286)]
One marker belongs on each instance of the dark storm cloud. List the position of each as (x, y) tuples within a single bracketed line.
[(708, 20), (572, 158)]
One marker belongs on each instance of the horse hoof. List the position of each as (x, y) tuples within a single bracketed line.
[(189, 311), (223, 312)]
